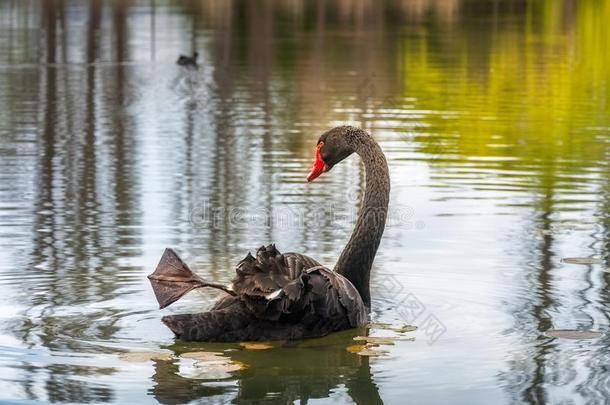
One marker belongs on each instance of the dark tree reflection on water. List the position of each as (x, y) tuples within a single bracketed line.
[(78, 220)]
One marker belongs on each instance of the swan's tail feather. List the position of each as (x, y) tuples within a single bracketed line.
[(172, 279)]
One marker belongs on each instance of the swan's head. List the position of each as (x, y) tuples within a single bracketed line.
[(332, 147)]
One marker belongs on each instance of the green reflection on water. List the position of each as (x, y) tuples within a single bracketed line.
[(534, 88), (288, 372)]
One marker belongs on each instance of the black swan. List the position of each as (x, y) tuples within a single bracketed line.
[(277, 296), (184, 60)]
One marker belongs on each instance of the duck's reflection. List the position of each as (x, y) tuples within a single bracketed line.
[(300, 371)]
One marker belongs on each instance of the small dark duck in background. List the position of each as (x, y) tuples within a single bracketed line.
[(184, 60)]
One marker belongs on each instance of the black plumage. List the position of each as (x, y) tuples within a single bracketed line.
[(291, 296), (277, 296), (184, 60)]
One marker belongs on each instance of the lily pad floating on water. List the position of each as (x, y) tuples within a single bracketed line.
[(376, 339), (387, 326), (366, 350), (256, 345), (581, 260), (141, 357), (355, 348), (573, 334), (209, 366), (406, 328), (203, 356), (371, 352), (379, 325)]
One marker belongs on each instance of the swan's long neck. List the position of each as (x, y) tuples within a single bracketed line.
[(357, 257)]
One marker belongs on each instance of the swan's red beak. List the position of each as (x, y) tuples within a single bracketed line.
[(319, 166)]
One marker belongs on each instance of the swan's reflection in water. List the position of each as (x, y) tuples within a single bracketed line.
[(318, 368)]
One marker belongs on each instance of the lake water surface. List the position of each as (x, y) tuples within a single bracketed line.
[(494, 116)]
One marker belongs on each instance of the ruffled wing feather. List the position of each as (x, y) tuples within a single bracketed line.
[(293, 287)]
